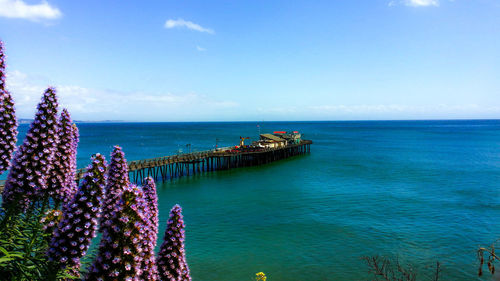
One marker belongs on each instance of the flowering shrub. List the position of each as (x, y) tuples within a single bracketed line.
[(79, 222), (8, 121), (171, 259), (47, 222), (33, 160)]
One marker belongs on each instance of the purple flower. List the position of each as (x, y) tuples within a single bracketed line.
[(61, 184), (71, 185), (69, 238), (151, 197), (117, 181), (36, 154), (8, 121), (119, 255), (171, 260)]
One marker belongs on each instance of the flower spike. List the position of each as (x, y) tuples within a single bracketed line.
[(117, 182), (8, 121), (149, 268), (79, 222), (120, 255), (33, 160), (171, 259), (61, 183)]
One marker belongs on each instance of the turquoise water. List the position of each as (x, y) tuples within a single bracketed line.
[(425, 191)]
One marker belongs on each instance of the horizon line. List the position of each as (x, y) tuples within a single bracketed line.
[(257, 121)]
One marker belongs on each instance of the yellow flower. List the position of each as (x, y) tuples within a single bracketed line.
[(260, 276)]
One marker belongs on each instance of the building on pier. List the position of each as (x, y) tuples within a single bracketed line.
[(271, 141), (293, 137)]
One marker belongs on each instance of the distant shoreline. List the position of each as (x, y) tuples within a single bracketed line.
[(28, 121)]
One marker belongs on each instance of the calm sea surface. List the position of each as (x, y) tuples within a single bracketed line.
[(424, 191)]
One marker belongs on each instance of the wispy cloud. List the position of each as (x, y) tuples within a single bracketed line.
[(415, 3), (201, 49), (99, 104), (187, 24), (422, 3), (34, 12)]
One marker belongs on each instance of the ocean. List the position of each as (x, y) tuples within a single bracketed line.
[(421, 191)]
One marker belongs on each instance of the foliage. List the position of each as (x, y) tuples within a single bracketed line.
[(23, 247)]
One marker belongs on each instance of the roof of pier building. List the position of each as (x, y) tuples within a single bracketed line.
[(272, 137)]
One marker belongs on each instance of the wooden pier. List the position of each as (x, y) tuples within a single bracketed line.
[(171, 167)]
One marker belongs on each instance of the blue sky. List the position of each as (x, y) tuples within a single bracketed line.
[(256, 60)]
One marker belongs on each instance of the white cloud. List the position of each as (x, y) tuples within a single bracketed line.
[(34, 12), (422, 3), (201, 49), (99, 104), (415, 3), (187, 24)]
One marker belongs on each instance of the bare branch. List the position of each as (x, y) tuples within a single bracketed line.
[(491, 258), (383, 269)]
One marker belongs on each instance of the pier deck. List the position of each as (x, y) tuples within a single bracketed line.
[(170, 167)]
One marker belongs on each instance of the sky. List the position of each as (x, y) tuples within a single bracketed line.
[(259, 60)]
